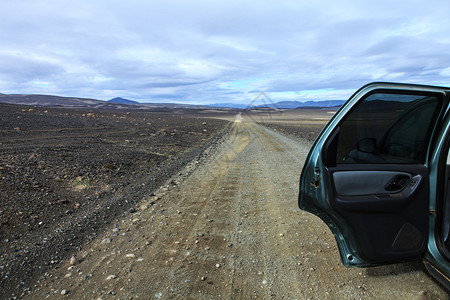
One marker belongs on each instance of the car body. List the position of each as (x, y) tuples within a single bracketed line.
[(378, 176)]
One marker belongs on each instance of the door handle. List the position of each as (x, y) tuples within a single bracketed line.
[(397, 183)]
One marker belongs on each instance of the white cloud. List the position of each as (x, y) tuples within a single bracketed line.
[(202, 51), (445, 72)]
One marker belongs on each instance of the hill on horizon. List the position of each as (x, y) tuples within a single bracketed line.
[(285, 104), (123, 101), (73, 102)]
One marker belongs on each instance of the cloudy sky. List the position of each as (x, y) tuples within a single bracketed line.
[(220, 51)]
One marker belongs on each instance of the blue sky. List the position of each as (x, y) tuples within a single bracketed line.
[(203, 52)]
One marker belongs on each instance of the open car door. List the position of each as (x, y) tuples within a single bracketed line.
[(367, 174)]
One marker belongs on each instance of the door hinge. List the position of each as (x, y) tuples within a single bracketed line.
[(316, 182)]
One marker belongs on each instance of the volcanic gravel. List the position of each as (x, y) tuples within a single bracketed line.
[(66, 173), (308, 133)]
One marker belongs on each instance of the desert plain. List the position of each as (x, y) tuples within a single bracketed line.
[(171, 204)]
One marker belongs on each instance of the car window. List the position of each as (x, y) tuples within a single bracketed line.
[(387, 128)]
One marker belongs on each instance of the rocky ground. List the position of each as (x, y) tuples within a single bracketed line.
[(227, 226), (65, 174), (301, 123), (308, 133)]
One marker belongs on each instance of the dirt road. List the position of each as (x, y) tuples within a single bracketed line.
[(228, 226)]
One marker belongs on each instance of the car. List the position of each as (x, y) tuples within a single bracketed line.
[(378, 175)]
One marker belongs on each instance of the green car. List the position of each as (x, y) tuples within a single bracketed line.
[(379, 176)]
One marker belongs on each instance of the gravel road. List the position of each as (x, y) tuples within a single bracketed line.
[(228, 226)]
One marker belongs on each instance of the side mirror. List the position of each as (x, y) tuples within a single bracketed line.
[(366, 145)]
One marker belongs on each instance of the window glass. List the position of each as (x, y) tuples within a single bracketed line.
[(387, 128)]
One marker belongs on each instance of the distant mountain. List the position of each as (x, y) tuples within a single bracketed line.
[(284, 104), (72, 102), (49, 100), (229, 105), (324, 103), (123, 101)]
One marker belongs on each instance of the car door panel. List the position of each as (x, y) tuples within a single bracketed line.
[(388, 226)]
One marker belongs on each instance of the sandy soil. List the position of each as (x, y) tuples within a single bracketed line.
[(228, 226)]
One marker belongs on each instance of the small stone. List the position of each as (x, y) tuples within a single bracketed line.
[(72, 260), (203, 278), (130, 255), (64, 292), (68, 275), (111, 277), (217, 265), (106, 241)]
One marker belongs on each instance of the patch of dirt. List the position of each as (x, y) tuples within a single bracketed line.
[(301, 123), (66, 173), (309, 132)]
